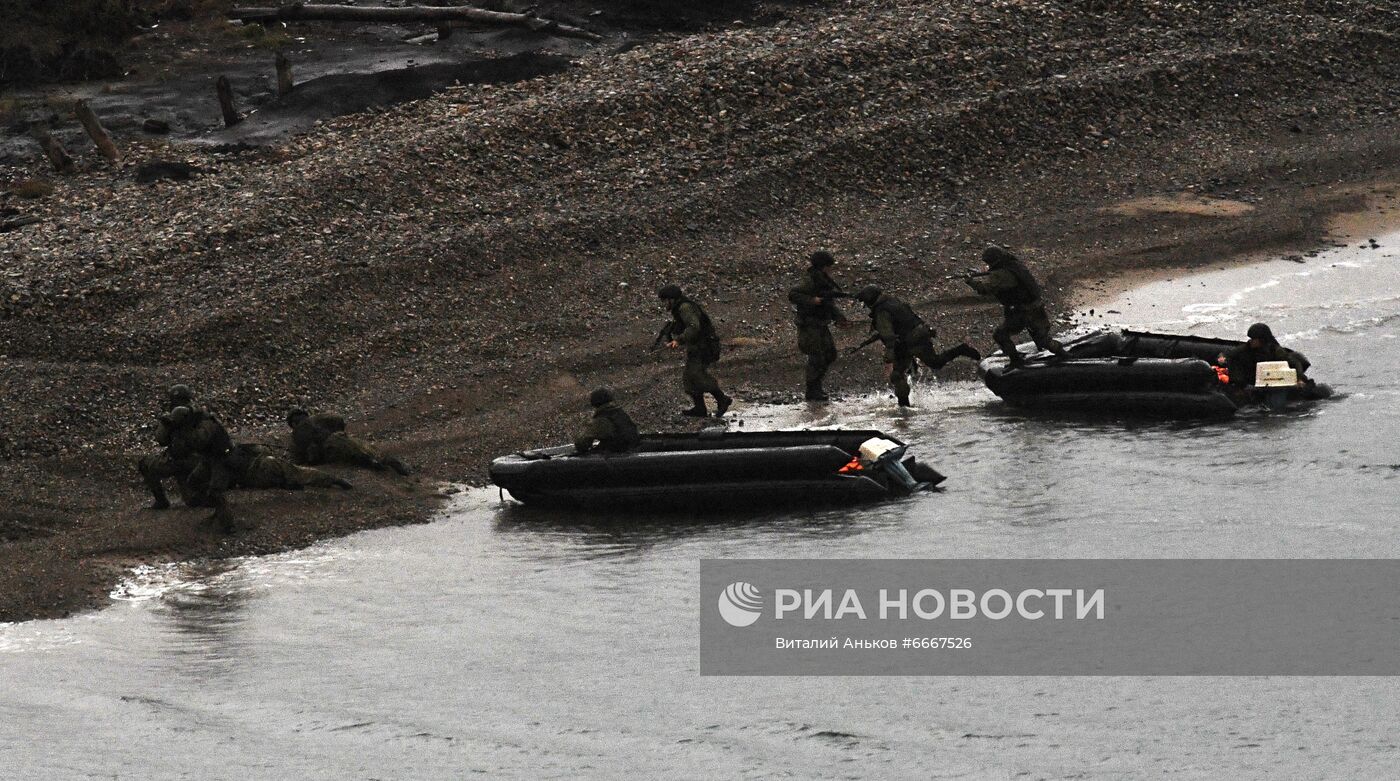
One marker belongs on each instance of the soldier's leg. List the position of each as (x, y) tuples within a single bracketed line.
[(305, 476), (706, 383), (693, 381), (937, 360), (818, 362), (1013, 323), (220, 478), (154, 469), (194, 485), (899, 377), (1038, 324)]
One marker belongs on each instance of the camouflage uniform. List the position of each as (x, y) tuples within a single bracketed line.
[(815, 310), (176, 460), (256, 468), (693, 330), (1012, 284), (611, 429), (313, 443), (907, 338), (214, 474)]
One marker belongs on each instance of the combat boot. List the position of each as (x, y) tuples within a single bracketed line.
[(699, 410), (722, 403), (904, 401), (815, 392), (967, 351)]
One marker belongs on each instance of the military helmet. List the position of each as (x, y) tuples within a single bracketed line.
[(1261, 332), (179, 395), (995, 256), (821, 259), (869, 294), (296, 413), (600, 396), (669, 292), (180, 415)]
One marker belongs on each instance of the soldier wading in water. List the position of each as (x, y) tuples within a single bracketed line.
[(906, 338), (691, 328), (814, 304)]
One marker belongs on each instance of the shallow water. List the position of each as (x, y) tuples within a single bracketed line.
[(510, 643)]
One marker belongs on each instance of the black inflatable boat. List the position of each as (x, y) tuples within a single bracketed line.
[(716, 468), (1133, 373)]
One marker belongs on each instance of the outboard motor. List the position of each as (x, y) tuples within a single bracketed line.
[(882, 454)]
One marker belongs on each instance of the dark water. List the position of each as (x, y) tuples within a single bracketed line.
[(492, 642)]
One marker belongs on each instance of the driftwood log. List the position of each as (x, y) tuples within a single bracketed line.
[(298, 12), (18, 222), (284, 74), (53, 150), (94, 129), (225, 91)]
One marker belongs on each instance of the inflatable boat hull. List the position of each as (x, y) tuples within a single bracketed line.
[(1131, 373), (699, 472)]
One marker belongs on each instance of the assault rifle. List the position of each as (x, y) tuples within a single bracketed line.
[(664, 335), (869, 340), (968, 273)]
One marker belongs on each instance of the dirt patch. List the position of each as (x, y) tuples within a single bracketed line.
[(456, 272), (1183, 203)]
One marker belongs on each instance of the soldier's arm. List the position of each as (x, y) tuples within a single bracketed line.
[(598, 429), (804, 293), (691, 318), (884, 326), (163, 434), (993, 283), (1299, 363)]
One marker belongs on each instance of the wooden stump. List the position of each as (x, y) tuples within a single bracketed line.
[(225, 90), (53, 150), (284, 74), (94, 129)]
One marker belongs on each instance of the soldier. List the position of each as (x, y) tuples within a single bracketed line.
[(175, 460), (814, 303), (1262, 346), (1011, 283), (255, 467), (207, 438), (906, 338), (321, 439), (691, 327), (611, 429)]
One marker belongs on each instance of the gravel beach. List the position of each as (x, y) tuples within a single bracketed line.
[(455, 273)]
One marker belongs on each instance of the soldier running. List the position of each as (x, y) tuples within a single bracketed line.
[(1011, 283), (906, 338), (611, 430), (691, 328), (814, 303)]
